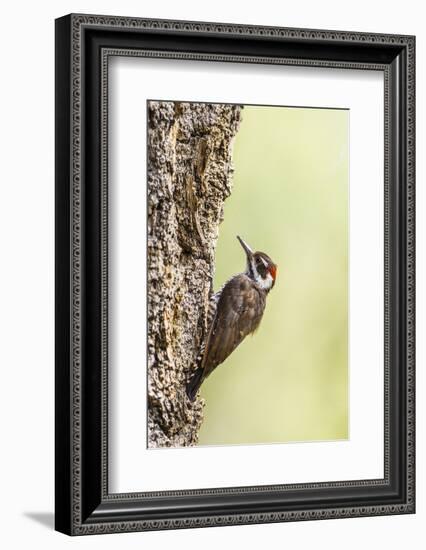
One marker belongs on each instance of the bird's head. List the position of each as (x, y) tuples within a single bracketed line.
[(260, 267)]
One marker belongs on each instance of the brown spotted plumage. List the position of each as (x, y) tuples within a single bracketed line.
[(239, 309)]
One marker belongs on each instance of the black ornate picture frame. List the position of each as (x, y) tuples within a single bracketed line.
[(84, 43)]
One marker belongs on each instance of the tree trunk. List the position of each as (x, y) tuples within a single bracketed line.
[(189, 178)]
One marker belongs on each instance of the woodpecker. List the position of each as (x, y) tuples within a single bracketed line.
[(239, 307)]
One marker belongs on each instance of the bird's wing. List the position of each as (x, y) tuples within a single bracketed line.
[(238, 313)]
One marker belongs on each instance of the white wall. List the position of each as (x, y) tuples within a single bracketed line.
[(26, 299)]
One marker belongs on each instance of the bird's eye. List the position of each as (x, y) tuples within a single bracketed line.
[(261, 268)]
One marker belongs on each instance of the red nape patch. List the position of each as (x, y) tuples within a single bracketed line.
[(273, 271)]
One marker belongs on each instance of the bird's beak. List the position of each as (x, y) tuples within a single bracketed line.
[(247, 249)]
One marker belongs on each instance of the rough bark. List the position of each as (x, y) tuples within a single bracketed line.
[(189, 178)]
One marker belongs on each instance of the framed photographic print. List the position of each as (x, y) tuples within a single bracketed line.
[(234, 274)]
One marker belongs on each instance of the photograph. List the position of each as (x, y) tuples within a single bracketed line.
[(247, 274), (235, 274)]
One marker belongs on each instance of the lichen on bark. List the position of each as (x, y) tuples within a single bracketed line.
[(189, 178)]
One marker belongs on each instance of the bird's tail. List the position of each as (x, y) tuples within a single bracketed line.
[(194, 384)]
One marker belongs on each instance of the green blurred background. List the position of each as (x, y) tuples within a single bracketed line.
[(289, 381)]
